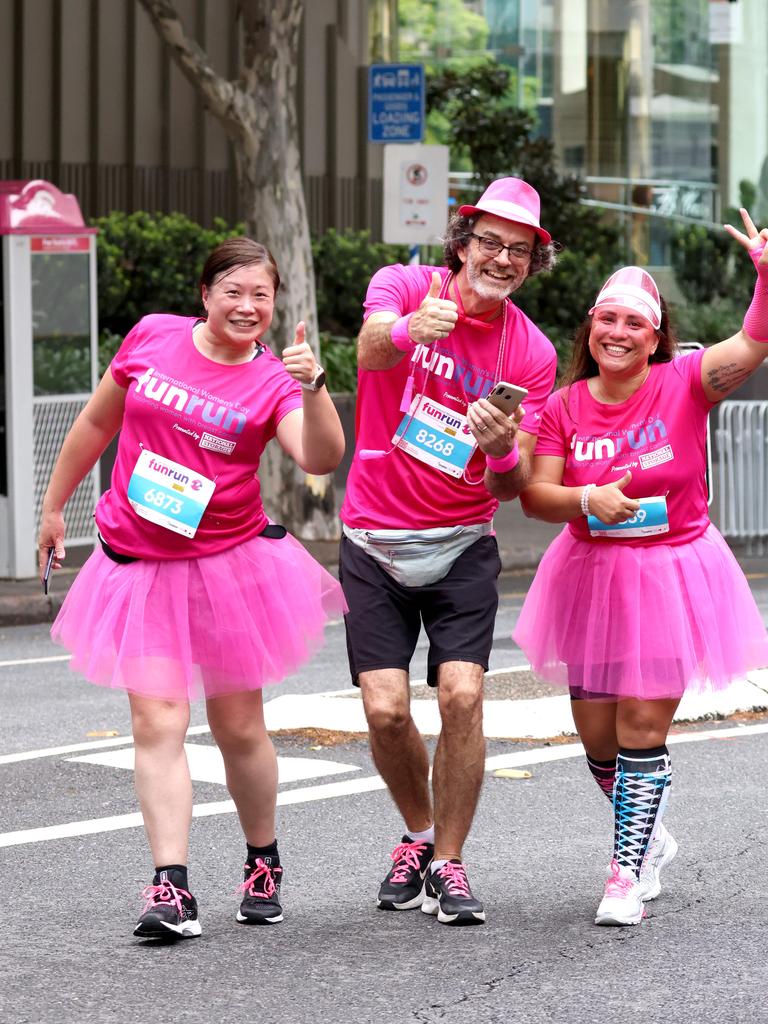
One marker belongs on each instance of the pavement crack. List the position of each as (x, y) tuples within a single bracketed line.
[(437, 1011)]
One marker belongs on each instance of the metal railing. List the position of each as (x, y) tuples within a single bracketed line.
[(647, 210), (742, 472)]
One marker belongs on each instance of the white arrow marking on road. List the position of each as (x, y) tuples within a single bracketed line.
[(207, 765), (348, 787)]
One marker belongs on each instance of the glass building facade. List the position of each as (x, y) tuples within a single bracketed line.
[(661, 106)]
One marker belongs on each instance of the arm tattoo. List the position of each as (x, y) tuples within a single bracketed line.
[(727, 377)]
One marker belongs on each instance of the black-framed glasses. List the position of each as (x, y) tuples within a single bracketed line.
[(490, 247)]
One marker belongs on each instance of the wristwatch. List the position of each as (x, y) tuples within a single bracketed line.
[(317, 381)]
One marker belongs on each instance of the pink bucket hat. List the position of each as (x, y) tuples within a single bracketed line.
[(512, 199), (635, 289)]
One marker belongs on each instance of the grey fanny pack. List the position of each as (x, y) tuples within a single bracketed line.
[(416, 558)]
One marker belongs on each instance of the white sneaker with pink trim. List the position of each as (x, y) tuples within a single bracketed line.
[(661, 850), (622, 903)]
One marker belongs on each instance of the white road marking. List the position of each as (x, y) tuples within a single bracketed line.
[(94, 826), (74, 748), (537, 718), (34, 661), (207, 765), (367, 784)]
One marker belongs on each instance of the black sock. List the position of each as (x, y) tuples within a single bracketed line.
[(265, 853), (176, 874), (604, 774)]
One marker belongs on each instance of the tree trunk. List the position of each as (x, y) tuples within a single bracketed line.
[(258, 112)]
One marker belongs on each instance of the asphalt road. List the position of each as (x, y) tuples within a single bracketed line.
[(536, 855)]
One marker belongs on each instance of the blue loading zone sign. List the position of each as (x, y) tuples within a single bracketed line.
[(396, 102)]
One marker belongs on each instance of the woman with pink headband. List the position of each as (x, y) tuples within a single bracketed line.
[(639, 599)]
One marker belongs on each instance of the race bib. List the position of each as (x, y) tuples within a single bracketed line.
[(651, 518), (169, 494), (436, 435)]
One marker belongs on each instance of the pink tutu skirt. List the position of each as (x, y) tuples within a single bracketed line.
[(200, 627), (648, 622)]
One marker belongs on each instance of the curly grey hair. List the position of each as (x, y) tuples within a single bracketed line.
[(458, 235)]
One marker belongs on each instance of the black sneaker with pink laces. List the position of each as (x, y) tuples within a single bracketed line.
[(403, 888), (170, 912), (261, 891), (448, 895)]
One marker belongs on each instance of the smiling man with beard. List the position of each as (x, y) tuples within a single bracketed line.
[(433, 459)]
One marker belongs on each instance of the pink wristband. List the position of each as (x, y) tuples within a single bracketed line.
[(400, 337), (506, 464), (756, 319)]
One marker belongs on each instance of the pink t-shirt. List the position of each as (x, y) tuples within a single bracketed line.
[(212, 418), (399, 491), (659, 434)]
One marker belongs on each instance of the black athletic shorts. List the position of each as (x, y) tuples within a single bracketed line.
[(384, 618)]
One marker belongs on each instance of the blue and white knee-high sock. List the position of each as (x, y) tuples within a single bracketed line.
[(642, 782)]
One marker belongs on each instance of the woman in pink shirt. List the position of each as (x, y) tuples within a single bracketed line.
[(193, 593), (639, 598)]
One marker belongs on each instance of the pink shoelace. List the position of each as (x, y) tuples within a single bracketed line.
[(616, 885), (164, 893), (456, 877), (406, 857), (260, 870)]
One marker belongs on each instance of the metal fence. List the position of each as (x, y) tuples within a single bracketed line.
[(742, 472), (53, 417)]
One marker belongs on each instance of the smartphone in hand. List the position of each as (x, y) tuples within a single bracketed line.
[(48, 567), (506, 397)]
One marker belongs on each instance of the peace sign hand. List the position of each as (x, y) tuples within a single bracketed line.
[(753, 241)]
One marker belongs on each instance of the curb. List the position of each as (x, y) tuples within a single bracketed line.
[(28, 610)]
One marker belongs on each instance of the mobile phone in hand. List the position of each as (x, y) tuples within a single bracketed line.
[(48, 567), (506, 397)]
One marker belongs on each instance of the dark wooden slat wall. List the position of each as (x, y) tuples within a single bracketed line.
[(333, 199)]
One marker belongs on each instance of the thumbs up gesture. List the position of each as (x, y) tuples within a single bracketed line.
[(435, 318), (298, 358), (610, 504)]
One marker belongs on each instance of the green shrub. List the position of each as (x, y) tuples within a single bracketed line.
[(701, 260), (62, 364), (558, 301), (338, 355), (707, 322), (345, 261), (151, 263), (487, 126), (709, 265), (109, 343)]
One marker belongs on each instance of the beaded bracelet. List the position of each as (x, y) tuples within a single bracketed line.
[(400, 337), (584, 500), (505, 464)]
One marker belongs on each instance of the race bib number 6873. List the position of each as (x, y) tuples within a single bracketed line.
[(169, 494)]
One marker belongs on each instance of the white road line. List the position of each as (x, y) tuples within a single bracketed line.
[(34, 661), (348, 787), (73, 829), (72, 748), (75, 748)]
